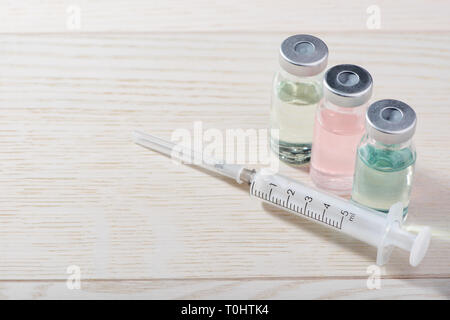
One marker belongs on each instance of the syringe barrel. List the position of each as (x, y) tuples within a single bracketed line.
[(336, 213)]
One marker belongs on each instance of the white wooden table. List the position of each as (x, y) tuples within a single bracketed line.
[(75, 190)]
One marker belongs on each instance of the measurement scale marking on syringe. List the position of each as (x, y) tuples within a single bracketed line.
[(296, 208)]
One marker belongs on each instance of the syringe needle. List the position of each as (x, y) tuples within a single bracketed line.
[(151, 142), (181, 153)]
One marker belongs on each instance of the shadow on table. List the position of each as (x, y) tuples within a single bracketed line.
[(322, 231), (428, 207), (430, 196)]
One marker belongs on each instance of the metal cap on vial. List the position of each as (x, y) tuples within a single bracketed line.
[(347, 85), (390, 121), (303, 55)]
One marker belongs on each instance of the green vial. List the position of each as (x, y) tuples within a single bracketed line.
[(297, 90), (385, 157)]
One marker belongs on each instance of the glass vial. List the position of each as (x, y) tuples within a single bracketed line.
[(386, 156), (339, 127), (297, 90)]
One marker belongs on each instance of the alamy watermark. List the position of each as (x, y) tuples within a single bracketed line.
[(233, 146), (374, 19), (73, 20), (74, 279), (374, 279)]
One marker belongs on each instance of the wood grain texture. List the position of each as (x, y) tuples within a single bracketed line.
[(75, 190), (229, 289), (215, 15)]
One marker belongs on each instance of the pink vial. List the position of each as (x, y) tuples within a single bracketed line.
[(339, 126)]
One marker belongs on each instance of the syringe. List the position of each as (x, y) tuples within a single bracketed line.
[(377, 229)]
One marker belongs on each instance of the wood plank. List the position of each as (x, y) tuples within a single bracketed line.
[(76, 191), (233, 15), (230, 289)]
